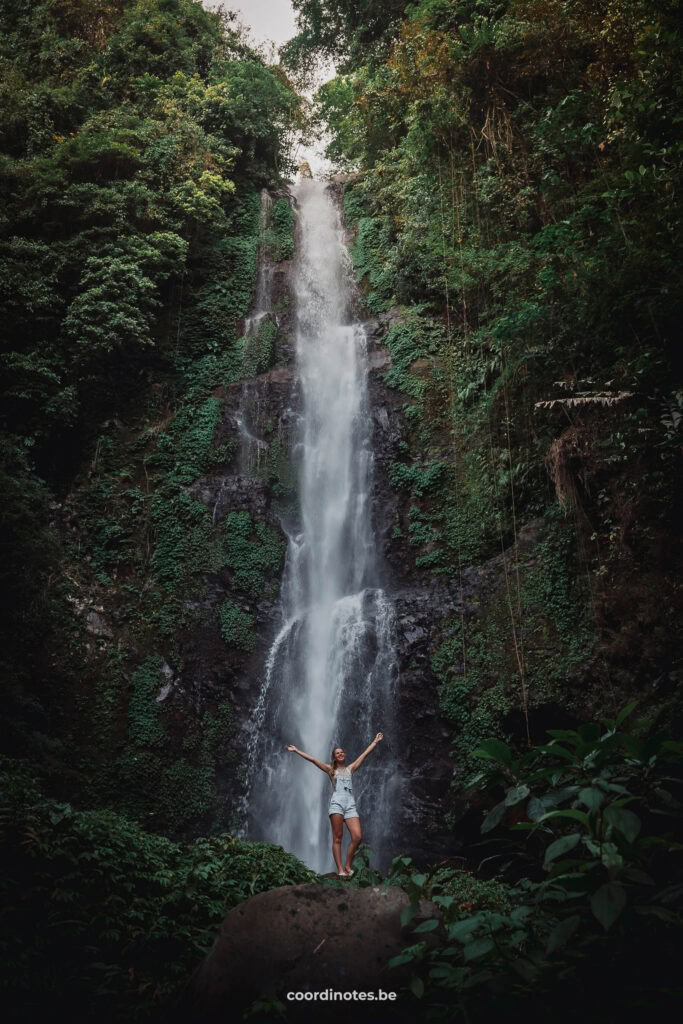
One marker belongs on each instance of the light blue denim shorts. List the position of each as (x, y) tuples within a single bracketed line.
[(343, 803)]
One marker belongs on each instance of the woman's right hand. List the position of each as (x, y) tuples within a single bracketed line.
[(290, 746)]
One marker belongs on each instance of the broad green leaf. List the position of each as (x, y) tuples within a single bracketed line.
[(607, 903), (514, 796), (462, 930), (402, 958), (592, 797), (495, 750), (520, 913), (427, 926), (442, 971), (535, 809), (660, 912), (571, 813), (641, 877), (478, 948), (557, 751), (626, 711), (624, 821), (667, 798), (558, 796), (493, 818), (560, 846), (612, 859), (567, 863), (416, 986)]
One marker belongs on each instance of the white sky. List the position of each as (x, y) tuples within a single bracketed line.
[(272, 21), (267, 19)]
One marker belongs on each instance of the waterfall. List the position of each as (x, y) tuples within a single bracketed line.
[(330, 673)]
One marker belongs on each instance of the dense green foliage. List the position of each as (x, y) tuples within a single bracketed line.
[(517, 216), (103, 920), (137, 136), (344, 32), (516, 219), (599, 811), (586, 911)]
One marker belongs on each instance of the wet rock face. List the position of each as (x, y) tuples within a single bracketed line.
[(312, 937), (258, 429)]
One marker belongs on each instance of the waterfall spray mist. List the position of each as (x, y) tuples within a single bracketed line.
[(330, 672)]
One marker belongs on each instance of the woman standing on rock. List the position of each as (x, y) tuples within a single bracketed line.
[(342, 804)]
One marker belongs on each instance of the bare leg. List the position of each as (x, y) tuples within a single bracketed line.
[(353, 825), (337, 823)]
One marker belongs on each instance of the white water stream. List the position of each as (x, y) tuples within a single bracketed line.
[(330, 673)]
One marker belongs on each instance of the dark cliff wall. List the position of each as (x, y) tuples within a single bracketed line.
[(166, 643)]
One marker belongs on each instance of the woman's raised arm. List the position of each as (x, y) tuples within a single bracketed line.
[(323, 767), (359, 760)]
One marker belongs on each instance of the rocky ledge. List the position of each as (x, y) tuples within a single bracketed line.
[(314, 938)]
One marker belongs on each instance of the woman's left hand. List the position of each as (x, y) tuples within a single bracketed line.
[(378, 737)]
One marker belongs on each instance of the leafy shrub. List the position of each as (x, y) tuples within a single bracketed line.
[(279, 236), (104, 920), (606, 906), (237, 627)]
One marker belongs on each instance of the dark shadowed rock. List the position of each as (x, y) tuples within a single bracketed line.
[(308, 938)]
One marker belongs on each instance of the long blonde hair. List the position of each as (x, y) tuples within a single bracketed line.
[(333, 766)]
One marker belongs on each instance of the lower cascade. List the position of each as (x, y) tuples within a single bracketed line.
[(330, 674)]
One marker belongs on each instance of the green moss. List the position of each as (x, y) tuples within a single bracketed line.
[(415, 338), (145, 730), (281, 473), (186, 546), (416, 478), (279, 236), (237, 627), (259, 348), (253, 551), (170, 789), (186, 450), (559, 633), (368, 252), (354, 206), (225, 276), (479, 677)]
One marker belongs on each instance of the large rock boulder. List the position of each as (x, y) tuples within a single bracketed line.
[(309, 939)]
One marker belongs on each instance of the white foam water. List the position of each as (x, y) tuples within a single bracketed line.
[(330, 674)]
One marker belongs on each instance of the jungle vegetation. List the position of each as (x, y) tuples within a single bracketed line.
[(515, 177), (514, 183)]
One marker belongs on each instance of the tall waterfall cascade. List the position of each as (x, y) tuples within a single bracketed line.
[(330, 674)]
